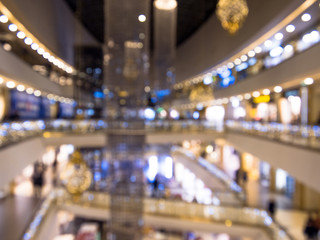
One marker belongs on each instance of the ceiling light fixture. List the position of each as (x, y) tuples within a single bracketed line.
[(290, 28), (3, 19), (277, 89), (232, 14), (20, 88), (12, 27), (142, 18), (244, 58), (308, 81), (165, 4), (306, 17), (21, 35), (28, 41), (10, 84), (278, 36), (34, 46), (251, 53), (256, 94), (258, 49), (266, 91)]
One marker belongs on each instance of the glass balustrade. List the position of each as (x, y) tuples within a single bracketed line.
[(170, 208), (301, 135)]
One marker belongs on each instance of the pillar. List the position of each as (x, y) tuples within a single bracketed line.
[(272, 186)]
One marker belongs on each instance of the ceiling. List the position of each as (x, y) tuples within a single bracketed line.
[(191, 15)]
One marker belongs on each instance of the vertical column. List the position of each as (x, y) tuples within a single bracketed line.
[(298, 198), (127, 184), (165, 15), (272, 179), (304, 105), (126, 70)]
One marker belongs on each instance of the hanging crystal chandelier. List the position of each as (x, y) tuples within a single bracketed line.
[(232, 14)]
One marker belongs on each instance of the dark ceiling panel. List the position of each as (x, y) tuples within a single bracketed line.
[(191, 15)]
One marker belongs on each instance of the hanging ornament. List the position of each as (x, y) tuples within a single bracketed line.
[(232, 14), (76, 177)]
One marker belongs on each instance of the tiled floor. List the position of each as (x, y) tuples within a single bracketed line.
[(16, 212)]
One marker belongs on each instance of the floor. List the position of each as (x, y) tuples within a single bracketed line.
[(16, 213)]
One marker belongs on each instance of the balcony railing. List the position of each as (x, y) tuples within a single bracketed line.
[(253, 217), (300, 135)]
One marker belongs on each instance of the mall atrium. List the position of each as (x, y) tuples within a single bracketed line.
[(159, 119)]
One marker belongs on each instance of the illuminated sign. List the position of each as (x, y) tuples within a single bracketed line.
[(262, 99)]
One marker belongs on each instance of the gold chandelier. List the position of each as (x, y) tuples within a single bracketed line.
[(232, 14), (76, 177)]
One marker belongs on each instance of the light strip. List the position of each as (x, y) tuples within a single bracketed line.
[(287, 20), (23, 87), (68, 68), (287, 85)]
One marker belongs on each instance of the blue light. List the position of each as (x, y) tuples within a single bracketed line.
[(162, 93), (97, 176), (225, 72), (227, 81), (161, 187), (149, 114), (207, 80), (252, 61), (199, 106), (79, 111), (98, 94), (196, 115), (268, 221), (90, 112), (104, 165), (97, 71), (242, 66), (90, 197), (169, 74), (133, 178), (3, 133), (26, 236), (153, 100), (89, 70), (101, 123)]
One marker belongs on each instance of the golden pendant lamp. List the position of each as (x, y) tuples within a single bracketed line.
[(76, 177), (232, 14)]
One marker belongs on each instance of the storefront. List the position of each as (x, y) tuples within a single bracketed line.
[(263, 108), (290, 107)]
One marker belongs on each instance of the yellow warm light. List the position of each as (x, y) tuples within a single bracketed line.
[(24, 32), (262, 99), (232, 14), (46, 135), (228, 223), (165, 4)]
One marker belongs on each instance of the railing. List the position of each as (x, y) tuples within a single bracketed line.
[(39, 217), (253, 217), (302, 135), (236, 191)]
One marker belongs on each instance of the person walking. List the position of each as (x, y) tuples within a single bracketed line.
[(37, 179), (310, 229), (272, 207)]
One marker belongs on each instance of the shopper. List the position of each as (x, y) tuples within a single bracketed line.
[(155, 187), (272, 207), (37, 179), (311, 230)]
